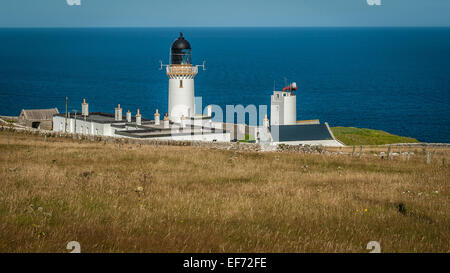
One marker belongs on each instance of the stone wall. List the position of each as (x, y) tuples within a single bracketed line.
[(234, 146)]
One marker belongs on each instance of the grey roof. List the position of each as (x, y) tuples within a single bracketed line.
[(39, 114), (199, 117), (300, 132), (153, 132)]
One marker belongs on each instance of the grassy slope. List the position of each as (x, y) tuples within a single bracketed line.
[(202, 200), (362, 136)]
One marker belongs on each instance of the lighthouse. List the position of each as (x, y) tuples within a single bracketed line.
[(181, 74)]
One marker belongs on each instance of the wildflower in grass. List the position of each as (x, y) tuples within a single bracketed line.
[(48, 214)]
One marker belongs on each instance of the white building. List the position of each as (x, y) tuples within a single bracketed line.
[(283, 106), (284, 128), (117, 125)]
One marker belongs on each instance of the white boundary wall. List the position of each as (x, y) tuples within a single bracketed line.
[(81, 127)]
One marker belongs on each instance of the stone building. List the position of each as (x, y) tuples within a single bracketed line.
[(38, 118)]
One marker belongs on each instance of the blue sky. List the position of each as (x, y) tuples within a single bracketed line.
[(162, 13)]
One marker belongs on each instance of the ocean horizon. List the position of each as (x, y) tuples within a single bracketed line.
[(395, 79)]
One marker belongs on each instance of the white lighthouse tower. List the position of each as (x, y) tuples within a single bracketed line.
[(181, 74)]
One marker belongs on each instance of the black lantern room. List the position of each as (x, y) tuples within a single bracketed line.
[(180, 51)]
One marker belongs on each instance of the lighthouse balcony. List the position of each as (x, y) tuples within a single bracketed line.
[(175, 71)]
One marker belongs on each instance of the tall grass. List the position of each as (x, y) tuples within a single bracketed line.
[(132, 198)]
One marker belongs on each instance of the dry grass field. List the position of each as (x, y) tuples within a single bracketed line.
[(150, 198)]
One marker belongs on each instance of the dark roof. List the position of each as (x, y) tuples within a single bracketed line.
[(165, 132), (301, 132), (181, 43), (100, 117)]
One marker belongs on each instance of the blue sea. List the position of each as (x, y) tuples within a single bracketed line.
[(392, 79)]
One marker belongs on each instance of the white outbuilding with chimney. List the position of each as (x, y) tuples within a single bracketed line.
[(284, 128)]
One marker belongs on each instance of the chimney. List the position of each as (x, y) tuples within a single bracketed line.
[(85, 108), (166, 120), (118, 113), (209, 110), (157, 117), (266, 122), (128, 116), (138, 118)]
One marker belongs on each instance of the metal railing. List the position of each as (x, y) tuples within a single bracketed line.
[(181, 70)]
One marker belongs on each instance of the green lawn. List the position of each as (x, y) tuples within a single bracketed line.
[(363, 136), (247, 138)]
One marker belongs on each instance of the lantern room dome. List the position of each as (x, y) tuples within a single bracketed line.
[(181, 43), (180, 52)]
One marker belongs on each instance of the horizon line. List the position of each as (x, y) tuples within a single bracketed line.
[(343, 26)]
